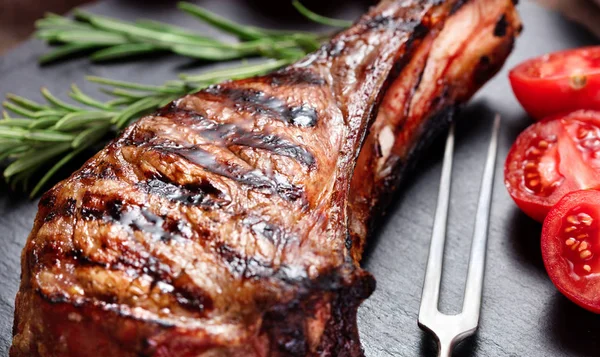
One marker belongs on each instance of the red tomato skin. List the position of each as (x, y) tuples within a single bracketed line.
[(556, 266), (538, 207), (542, 97), (537, 211), (534, 207)]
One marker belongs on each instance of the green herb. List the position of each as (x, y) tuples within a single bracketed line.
[(319, 18), (38, 139), (109, 39), (32, 135)]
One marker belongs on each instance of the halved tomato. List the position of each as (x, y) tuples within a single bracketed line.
[(552, 158), (559, 82), (571, 247)]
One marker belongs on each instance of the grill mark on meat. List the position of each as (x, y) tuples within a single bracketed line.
[(231, 134), (293, 76), (66, 209), (239, 266), (254, 268), (253, 178), (48, 200), (139, 261), (255, 101), (202, 194), (269, 231), (380, 22), (159, 227), (189, 296), (193, 299)]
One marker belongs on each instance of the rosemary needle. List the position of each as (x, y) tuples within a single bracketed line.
[(105, 38)]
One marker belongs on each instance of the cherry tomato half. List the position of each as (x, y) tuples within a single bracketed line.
[(571, 247), (559, 82), (552, 158)]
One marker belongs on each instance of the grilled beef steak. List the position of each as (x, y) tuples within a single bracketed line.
[(232, 221)]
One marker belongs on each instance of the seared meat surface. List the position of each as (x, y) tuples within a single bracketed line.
[(232, 222)]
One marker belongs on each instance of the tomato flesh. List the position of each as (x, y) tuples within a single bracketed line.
[(571, 247), (552, 158), (559, 82)]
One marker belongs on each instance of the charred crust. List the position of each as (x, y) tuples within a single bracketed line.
[(285, 325), (66, 209), (108, 171), (243, 267), (485, 68), (134, 218), (378, 22), (252, 178), (199, 194), (341, 336), (501, 26), (293, 76), (193, 299), (348, 242), (335, 48), (230, 135), (253, 101), (48, 200), (266, 230)]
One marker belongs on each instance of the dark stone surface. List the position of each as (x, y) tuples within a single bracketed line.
[(523, 314)]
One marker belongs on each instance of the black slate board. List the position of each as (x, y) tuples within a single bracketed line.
[(523, 314)]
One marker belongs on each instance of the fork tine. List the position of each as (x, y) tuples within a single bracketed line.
[(474, 284), (451, 329), (433, 273)]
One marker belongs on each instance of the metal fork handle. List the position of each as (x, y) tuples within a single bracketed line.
[(451, 329)]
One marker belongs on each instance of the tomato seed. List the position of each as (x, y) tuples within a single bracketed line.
[(535, 151), (585, 254), (587, 268), (585, 218), (578, 81), (570, 241)]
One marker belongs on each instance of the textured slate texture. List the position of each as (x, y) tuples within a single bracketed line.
[(523, 315)]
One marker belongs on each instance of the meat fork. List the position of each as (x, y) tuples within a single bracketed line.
[(451, 329)]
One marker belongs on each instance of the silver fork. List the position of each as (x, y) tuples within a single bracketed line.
[(451, 329)]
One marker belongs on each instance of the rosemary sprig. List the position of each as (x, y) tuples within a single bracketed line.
[(109, 39), (38, 139), (32, 134)]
